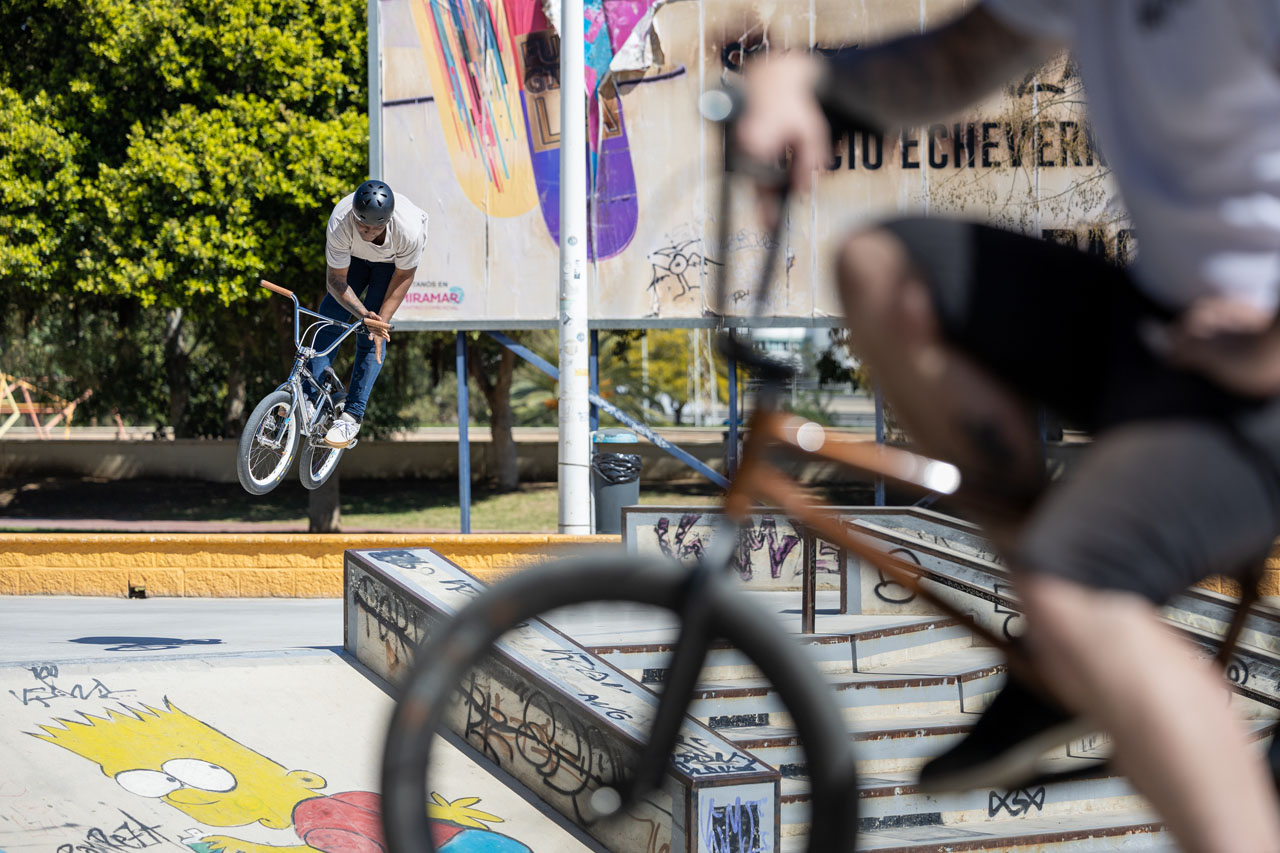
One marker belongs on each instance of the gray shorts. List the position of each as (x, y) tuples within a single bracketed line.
[(1183, 478)]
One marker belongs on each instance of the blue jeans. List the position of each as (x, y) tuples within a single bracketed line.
[(369, 281)]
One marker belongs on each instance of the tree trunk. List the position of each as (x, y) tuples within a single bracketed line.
[(233, 414), (176, 361), (324, 512), (497, 394)]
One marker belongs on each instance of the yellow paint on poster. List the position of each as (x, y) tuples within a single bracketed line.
[(478, 99)]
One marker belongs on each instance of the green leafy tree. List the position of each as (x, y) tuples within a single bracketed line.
[(160, 156), (660, 381)]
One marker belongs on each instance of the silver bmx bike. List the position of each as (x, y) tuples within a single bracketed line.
[(303, 405)]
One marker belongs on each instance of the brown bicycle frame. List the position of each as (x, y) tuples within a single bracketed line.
[(758, 479)]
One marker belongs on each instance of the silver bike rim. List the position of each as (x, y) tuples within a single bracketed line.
[(257, 452), (330, 456)]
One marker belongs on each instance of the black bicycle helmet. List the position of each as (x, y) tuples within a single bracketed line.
[(373, 203)]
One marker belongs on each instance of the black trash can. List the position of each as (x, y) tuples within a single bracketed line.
[(615, 478)]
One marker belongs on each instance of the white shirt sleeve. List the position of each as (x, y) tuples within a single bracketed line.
[(1266, 24), (409, 250), (337, 242), (1047, 19)]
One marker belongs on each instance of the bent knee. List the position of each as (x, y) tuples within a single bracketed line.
[(1070, 617), (872, 262)]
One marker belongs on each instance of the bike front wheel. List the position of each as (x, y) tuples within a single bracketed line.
[(267, 444), (461, 643)]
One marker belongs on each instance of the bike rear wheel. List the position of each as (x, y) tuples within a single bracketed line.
[(267, 444), (317, 463), (458, 645)]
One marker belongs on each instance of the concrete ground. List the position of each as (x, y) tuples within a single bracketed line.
[(212, 724)]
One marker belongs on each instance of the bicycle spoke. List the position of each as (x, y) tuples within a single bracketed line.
[(271, 446)]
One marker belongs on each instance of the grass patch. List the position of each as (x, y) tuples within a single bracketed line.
[(390, 505), (382, 505)]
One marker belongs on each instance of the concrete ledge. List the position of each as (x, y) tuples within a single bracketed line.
[(228, 565), (214, 460)]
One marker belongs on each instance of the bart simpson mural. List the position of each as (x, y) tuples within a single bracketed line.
[(166, 754)]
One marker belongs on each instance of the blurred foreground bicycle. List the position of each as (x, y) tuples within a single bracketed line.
[(709, 604), (271, 435)]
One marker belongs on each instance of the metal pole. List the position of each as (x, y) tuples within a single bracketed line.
[(809, 586), (699, 416), (575, 409), (464, 443), (879, 439), (375, 91), (595, 377), (733, 414), (644, 369)]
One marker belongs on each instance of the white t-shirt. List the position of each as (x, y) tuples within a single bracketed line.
[(405, 239), (1185, 98)]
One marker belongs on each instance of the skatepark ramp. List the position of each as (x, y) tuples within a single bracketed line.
[(909, 683), (559, 719)]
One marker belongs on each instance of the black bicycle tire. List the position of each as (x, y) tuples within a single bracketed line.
[(462, 641), (243, 448), (309, 482)]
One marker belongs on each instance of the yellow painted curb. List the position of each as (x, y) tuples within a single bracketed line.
[(242, 565), (264, 565)]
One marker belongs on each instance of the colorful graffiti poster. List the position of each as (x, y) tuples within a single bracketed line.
[(471, 132)]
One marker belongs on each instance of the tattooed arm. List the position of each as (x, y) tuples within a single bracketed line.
[(335, 281), (901, 82), (918, 78)]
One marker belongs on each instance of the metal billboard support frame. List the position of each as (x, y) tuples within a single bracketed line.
[(375, 91), (595, 377), (732, 456), (879, 396), (641, 428), (464, 439)]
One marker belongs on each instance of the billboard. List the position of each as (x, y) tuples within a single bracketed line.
[(470, 132)]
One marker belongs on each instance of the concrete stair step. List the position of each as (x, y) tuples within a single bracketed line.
[(648, 663), (843, 643), (1135, 830), (891, 799), (879, 745), (900, 644), (948, 683)]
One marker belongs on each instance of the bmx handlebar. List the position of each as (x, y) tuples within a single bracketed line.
[(372, 325), (275, 287)]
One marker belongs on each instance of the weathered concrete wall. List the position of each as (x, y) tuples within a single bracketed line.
[(770, 556), (214, 460), (237, 565)]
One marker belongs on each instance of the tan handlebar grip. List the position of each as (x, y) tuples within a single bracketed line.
[(277, 288), (377, 341)]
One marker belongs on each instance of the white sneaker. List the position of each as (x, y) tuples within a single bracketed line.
[(342, 432)]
